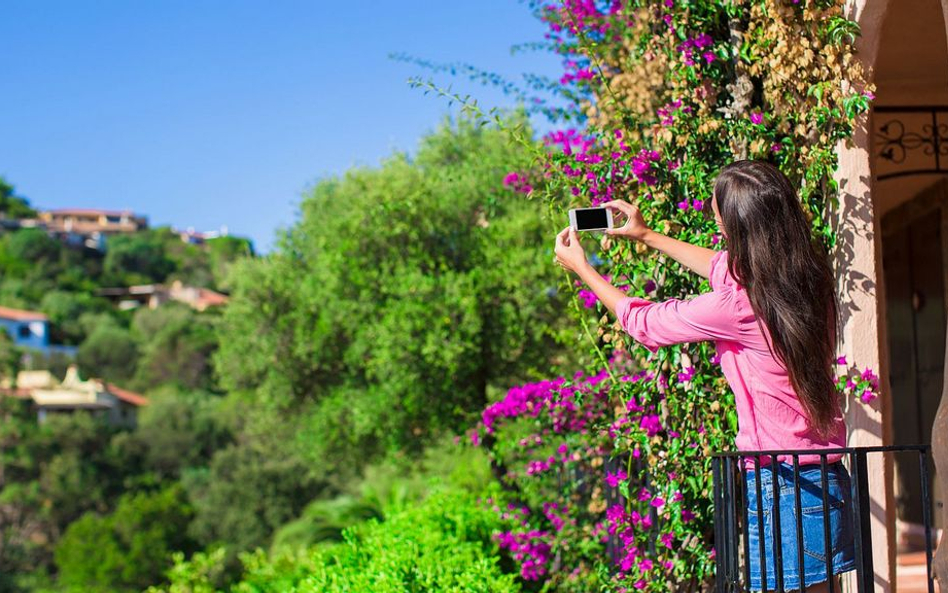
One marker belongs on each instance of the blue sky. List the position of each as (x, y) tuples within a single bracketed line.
[(203, 113)]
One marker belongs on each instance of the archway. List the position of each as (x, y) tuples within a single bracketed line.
[(891, 257), (910, 197)]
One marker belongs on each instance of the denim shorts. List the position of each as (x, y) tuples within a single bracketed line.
[(839, 494)]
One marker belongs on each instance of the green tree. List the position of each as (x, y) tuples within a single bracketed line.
[(137, 259), (400, 297), (245, 494), (175, 344), (109, 352), (9, 358), (50, 474), (128, 549), (176, 430), (65, 309), (224, 252), (11, 205)]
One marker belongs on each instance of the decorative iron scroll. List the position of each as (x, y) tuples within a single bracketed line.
[(910, 140)]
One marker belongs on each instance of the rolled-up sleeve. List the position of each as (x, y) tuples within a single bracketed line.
[(709, 316)]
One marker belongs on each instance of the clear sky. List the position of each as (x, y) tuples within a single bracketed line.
[(202, 113)]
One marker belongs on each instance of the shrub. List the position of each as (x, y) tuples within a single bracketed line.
[(442, 544)]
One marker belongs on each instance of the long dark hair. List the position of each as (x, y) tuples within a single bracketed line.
[(787, 277)]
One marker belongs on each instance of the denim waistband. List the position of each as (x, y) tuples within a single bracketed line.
[(809, 471)]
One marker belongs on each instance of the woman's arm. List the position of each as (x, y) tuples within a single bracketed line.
[(710, 316), (694, 257)]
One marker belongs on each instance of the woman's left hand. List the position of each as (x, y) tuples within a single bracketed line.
[(569, 251)]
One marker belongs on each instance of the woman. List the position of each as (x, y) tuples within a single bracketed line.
[(772, 313)]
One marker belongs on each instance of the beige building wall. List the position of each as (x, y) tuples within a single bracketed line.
[(903, 46)]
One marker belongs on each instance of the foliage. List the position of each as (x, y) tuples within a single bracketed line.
[(245, 494), (128, 549), (109, 352), (73, 470), (10, 357), (11, 205), (224, 252), (176, 345), (177, 430), (65, 310), (138, 258), (402, 295), (442, 544), (50, 475)]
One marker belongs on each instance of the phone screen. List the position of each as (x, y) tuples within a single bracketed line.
[(591, 218)]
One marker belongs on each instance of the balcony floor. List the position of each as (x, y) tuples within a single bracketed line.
[(910, 573)]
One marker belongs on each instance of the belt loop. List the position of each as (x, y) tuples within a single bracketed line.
[(782, 477)]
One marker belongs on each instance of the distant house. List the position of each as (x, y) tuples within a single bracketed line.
[(91, 220), (84, 227), (154, 295), (200, 238), (49, 396), (27, 329), (30, 330), (198, 298)]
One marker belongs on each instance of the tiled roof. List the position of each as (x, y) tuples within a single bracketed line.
[(21, 315), (17, 392), (212, 298), (129, 397), (90, 212)]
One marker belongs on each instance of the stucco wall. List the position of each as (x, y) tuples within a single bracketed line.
[(886, 48)]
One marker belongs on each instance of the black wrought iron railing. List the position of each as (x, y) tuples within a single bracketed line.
[(910, 140), (731, 517)]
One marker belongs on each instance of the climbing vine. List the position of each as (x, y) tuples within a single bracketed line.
[(610, 470)]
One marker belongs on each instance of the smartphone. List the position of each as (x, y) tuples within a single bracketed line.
[(590, 219)]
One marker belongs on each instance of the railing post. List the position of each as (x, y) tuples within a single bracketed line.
[(775, 482), (745, 531), (827, 543), (801, 561), (861, 522), (732, 513), (940, 457), (719, 564), (926, 517)]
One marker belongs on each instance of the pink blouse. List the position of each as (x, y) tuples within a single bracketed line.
[(769, 414)]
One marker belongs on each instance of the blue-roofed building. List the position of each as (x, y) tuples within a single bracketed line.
[(27, 329)]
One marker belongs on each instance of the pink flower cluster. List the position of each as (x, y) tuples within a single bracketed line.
[(642, 166), (589, 298), (567, 139), (686, 375), (667, 113), (577, 72), (864, 385), (530, 549), (570, 408), (518, 182), (695, 45), (556, 515), (613, 479), (696, 204), (580, 16), (537, 466)]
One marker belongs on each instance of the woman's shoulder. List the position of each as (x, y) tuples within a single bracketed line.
[(721, 281), (718, 275)]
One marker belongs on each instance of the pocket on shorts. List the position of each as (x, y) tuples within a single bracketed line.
[(814, 520)]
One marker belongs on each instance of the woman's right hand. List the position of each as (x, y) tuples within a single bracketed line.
[(634, 227)]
